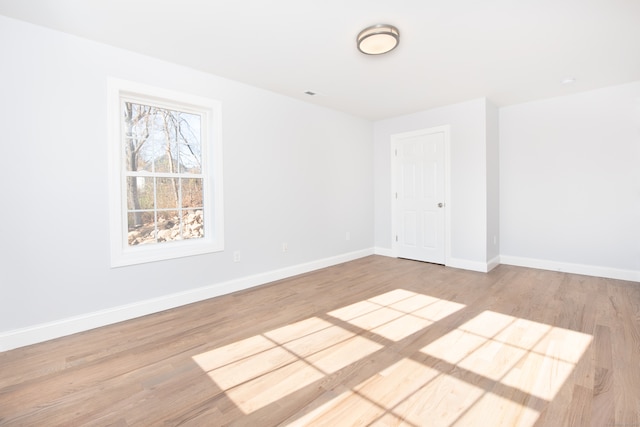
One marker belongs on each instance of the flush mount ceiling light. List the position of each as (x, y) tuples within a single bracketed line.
[(378, 39)]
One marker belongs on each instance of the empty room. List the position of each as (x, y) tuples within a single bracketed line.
[(296, 213)]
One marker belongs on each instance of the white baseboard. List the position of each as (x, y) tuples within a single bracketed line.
[(59, 328), (383, 251), (465, 264), (453, 262), (588, 270), (493, 263)]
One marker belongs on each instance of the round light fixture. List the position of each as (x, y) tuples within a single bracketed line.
[(378, 39)]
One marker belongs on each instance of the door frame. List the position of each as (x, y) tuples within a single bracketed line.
[(395, 140)]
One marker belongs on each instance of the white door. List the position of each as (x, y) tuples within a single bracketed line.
[(419, 160)]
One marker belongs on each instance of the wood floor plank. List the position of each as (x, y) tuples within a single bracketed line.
[(376, 341), (625, 343), (580, 407), (603, 405)]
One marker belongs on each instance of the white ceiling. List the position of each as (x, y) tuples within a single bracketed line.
[(510, 51)]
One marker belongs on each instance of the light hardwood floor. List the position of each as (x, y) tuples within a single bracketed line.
[(376, 341)]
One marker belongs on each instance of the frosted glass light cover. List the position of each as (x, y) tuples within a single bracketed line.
[(378, 39)]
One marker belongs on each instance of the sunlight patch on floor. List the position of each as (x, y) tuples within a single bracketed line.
[(525, 355), (336, 411), (292, 356), (499, 410), (397, 314), (490, 364), (272, 386)]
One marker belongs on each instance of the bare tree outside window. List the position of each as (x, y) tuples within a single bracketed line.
[(163, 169)]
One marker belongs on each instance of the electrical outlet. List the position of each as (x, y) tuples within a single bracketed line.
[(348, 236), (285, 247), (236, 256)]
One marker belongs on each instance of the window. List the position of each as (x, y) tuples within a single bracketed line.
[(166, 174)]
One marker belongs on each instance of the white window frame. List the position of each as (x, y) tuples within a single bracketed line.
[(122, 253)]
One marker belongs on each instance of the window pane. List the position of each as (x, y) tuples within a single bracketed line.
[(139, 193), (136, 156), (136, 129), (149, 153), (138, 160), (193, 224), (168, 226), (190, 158), (192, 192), (167, 193), (190, 148), (166, 156), (141, 228)]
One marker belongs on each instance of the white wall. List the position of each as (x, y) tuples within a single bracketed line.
[(468, 206), (493, 184), (293, 172), (570, 183)]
